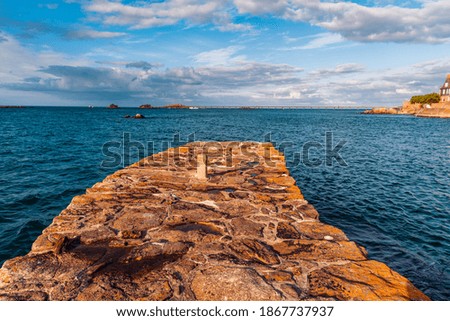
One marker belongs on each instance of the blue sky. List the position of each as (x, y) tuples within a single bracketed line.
[(222, 52)]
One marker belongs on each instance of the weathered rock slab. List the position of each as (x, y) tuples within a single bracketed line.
[(158, 231)]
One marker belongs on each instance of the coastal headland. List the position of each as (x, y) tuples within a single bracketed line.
[(435, 110), (205, 221), (431, 105)]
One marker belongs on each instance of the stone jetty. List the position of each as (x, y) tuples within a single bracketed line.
[(205, 221)]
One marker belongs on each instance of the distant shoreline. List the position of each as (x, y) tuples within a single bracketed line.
[(435, 110), (207, 107)]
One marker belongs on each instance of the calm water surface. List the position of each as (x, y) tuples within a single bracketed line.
[(393, 197)]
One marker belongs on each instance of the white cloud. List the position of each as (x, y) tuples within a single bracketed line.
[(406, 91), (243, 82), (339, 70), (50, 6), (224, 56), (387, 87), (319, 41), (146, 15), (426, 23), (17, 62), (93, 34), (142, 65), (224, 22), (219, 77), (261, 6)]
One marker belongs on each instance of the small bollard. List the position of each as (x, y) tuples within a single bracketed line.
[(202, 170)]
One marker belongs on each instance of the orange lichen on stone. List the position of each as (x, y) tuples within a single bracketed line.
[(362, 281), (157, 231), (184, 149), (281, 180)]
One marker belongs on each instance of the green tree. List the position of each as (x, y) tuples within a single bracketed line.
[(426, 99)]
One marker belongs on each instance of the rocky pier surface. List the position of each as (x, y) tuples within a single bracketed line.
[(206, 221)]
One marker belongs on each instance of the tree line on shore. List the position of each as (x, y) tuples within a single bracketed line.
[(426, 99)]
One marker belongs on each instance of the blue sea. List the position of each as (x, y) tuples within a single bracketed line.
[(383, 179)]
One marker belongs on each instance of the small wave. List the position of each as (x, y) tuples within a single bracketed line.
[(392, 198)]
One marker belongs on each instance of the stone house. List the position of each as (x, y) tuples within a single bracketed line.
[(445, 90)]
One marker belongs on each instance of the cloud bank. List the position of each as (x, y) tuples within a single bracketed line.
[(243, 83), (427, 23), (216, 69)]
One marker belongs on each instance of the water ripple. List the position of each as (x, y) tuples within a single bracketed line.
[(393, 197)]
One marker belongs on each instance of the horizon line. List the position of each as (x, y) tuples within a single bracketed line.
[(206, 106)]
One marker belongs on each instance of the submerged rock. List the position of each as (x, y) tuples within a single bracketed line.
[(155, 231)]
